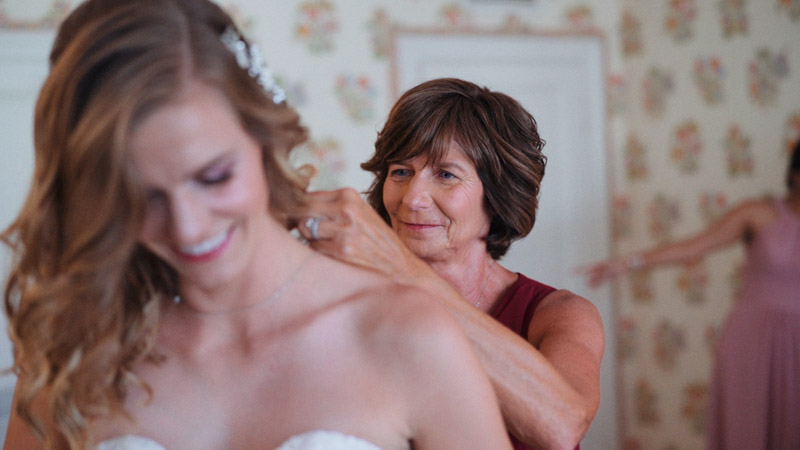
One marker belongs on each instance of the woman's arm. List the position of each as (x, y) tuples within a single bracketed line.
[(744, 219), (542, 406), (548, 396), (568, 331)]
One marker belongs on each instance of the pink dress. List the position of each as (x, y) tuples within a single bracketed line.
[(755, 390)]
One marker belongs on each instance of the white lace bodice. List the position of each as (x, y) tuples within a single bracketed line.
[(311, 440)]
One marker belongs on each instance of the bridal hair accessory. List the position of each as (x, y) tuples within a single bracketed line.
[(249, 57)]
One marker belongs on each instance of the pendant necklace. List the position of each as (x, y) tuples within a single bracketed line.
[(275, 295)]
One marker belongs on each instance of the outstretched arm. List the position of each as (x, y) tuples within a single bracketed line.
[(743, 220), (548, 398)]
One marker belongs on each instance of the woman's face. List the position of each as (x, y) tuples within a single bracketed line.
[(437, 210), (207, 194)]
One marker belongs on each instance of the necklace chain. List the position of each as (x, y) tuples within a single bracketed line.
[(275, 295), (485, 285)]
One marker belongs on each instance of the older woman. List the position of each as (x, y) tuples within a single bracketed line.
[(458, 169), (157, 298)]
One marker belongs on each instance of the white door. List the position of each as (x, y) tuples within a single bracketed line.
[(560, 80)]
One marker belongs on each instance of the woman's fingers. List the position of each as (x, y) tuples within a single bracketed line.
[(351, 231), (321, 215), (596, 274), (341, 217)]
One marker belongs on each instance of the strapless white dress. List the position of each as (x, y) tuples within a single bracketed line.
[(310, 440)]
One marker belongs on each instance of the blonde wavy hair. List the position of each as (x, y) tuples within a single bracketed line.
[(83, 295)]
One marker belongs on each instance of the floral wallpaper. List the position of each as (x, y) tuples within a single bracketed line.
[(703, 105), (712, 100)]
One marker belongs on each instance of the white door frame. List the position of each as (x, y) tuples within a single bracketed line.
[(560, 78)]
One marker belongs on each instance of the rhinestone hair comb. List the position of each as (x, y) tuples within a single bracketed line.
[(250, 58)]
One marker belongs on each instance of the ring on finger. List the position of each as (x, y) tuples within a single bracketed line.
[(312, 223)]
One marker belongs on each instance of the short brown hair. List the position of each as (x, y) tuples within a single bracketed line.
[(497, 134)]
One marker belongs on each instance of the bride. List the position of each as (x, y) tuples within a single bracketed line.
[(157, 299)]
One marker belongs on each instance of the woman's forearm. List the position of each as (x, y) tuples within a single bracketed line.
[(539, 406)]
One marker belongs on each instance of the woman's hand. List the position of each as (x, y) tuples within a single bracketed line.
[(598, 273), (351, 231)]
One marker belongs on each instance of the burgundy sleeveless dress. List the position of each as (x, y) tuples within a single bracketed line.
[(754, 401), (515, 310)]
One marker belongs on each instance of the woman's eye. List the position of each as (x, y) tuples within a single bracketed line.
[(399, 172), (215, 177), (446, 175)]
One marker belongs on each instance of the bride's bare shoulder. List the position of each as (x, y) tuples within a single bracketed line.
[(382, 308)]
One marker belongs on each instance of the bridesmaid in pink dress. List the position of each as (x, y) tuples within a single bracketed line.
[(755, 389)]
